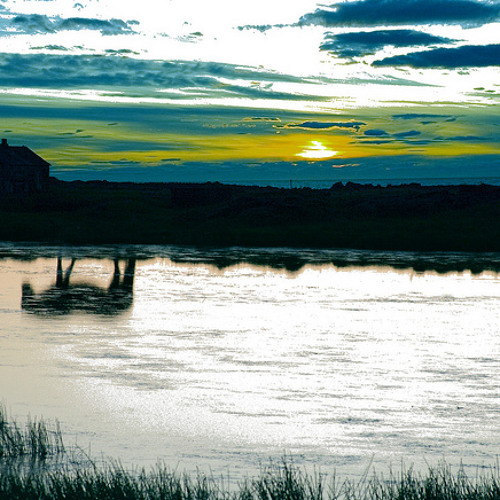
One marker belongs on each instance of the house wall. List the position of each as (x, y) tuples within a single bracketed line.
[(18, 179)]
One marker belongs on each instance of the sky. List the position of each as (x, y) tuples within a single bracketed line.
[(235, 90)]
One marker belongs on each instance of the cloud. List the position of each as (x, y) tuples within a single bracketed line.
[(409, 133), (310, 125), (466, 56), (191, 37), (121, 52), (146, 121), (397, 12), (376, 132), (51, 47), (37, 23), (382, 137), (257, 27), (106, 27), (263, 27), (378, 141), (95, 71), (33, 23), (368, 42), (261, 119), (413, 137), (260, 92), (462, 138), (418, 116)]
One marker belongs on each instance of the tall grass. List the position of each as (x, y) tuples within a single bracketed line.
[(436, 484), (283, 481), (34, 440)]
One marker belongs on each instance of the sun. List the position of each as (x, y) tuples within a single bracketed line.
[(316, 151)]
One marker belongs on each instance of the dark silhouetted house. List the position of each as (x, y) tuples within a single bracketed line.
[(21, 170)]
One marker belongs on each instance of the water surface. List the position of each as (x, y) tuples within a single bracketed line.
[(221, 359)]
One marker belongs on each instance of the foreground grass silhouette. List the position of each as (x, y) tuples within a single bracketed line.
[(408, 217), (35, 440), (40, 479)]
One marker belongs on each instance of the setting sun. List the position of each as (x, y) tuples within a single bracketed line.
[(317, 151)]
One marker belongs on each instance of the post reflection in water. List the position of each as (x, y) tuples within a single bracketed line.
[(63, 297)]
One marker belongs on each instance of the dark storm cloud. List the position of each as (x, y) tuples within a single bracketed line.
[(467, 56), (36, 23), (195, 78), (368, 42), (310, 125), (397, 12)]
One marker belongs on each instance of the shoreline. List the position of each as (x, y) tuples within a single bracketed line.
[(292, 260)]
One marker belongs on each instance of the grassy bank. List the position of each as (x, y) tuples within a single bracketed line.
[(411, 217), (26, 473)]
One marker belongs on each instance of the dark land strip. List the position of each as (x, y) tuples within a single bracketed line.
[(404, 217)]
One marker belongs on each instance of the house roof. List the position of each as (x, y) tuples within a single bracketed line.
[(19, 155)]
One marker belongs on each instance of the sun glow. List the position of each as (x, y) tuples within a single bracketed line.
[(317, 151)]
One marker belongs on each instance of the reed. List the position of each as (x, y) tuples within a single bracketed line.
[(35, 440), (283, 481)]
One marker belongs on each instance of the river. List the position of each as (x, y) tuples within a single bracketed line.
[(221, 359)]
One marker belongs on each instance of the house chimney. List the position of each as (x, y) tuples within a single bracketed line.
[(4, 142)]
